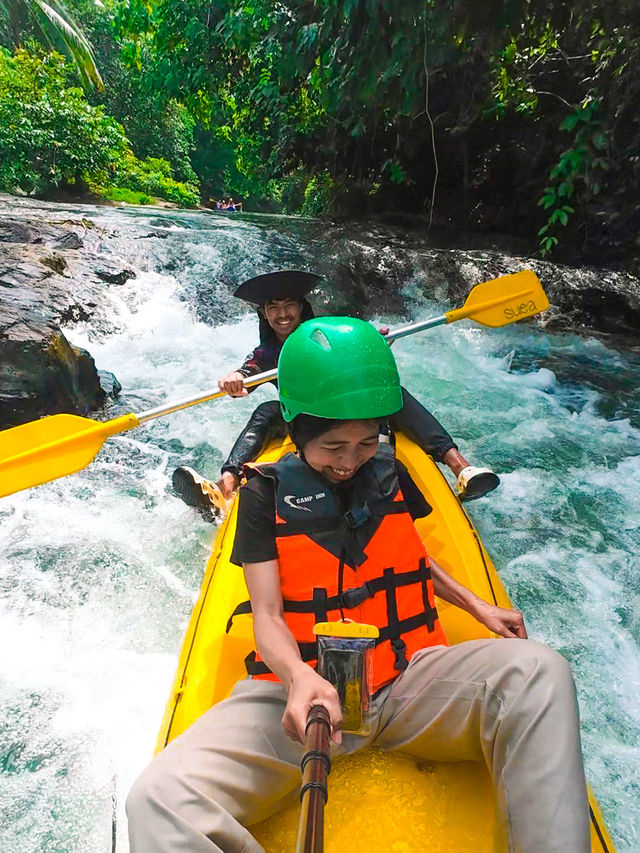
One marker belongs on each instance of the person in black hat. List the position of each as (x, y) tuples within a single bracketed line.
[(280, 299)]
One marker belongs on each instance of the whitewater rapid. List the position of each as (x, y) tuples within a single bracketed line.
[(99, 571)]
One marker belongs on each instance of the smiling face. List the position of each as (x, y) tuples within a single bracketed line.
[(338, 453), (283, 315)]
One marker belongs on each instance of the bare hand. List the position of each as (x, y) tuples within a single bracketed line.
[(501, 620), (384, 331), (233, 384), (228, 483), (306, 689)]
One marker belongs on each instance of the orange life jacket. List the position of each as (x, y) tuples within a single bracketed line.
[(366, 564)]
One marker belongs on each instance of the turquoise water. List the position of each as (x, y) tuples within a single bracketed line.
[(99, 571)]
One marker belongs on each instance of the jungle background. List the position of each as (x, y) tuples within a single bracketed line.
[(516, 117)]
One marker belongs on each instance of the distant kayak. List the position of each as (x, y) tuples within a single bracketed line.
[(237, 208)]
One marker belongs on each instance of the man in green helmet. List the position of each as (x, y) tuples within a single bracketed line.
[(281, 301), (327, 534)]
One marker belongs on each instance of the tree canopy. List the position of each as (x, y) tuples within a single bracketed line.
[(512, 115), (57, 29)]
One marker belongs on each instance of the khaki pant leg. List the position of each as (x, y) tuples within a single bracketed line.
[(233, 767), (511, 703)]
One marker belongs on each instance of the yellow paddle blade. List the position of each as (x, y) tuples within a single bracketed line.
[(52, 447), (503, 300)]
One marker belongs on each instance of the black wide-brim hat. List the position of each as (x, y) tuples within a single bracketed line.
[(283, 284)]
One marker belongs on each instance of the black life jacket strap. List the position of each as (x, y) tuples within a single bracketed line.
[(341, 583), (299, 526), (241, 610), (406, 625), (321, 603), (308, 653), (393, 622), (395, 626), (355, 518), (431, 614)]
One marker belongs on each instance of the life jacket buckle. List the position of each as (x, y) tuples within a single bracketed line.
[(357, 516), (400, 651), (354, 597)]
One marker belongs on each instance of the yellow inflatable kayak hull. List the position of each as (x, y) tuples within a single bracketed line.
[(377, 801)]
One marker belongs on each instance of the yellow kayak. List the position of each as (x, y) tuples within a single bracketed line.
[(377, 801)]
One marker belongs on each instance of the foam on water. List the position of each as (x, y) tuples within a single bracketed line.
[(563, 529), (99, 571)]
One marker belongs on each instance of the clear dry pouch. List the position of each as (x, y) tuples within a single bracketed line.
[(345, 659)]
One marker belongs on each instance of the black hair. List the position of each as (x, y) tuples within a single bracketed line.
[(304, 428), (268, 337)]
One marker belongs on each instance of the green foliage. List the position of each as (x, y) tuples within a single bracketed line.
[(153, 177), (56, 30), (119, 194), (292, 191), (51, 137), (49, 134), (577, 172), (317, 194), (396, 104), (573, 68), (536, 45), (156, 124), (299, 192)]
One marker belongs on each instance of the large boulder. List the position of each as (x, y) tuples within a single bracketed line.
[(45, 282), (42, 373)]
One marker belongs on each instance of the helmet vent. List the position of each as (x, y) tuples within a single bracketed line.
[(319, 337)]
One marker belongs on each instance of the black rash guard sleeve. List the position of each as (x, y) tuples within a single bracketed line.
[(255, 539), (415, 500)]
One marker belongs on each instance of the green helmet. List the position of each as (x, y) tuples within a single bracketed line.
[(338, 367)]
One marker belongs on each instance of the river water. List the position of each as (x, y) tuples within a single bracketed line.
[(99, 571)]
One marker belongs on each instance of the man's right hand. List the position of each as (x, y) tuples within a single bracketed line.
[(307, 689), (233, 384)]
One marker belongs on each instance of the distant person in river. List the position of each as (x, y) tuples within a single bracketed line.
[(280, 299), (229, 206)]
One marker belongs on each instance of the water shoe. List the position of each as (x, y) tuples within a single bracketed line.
[(474, 482), (203, 495)]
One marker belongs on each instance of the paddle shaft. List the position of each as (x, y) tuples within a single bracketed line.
[(44, 450), (316, 764), (270, 375), (104, 429)]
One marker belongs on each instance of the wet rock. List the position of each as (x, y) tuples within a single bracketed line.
[(113, 273), (582, 300), (69, 241), (601, 300), (369, 270), (109, 384), (42, 373), (56, 235), (161, 235), (372, 270), (15, 232)]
